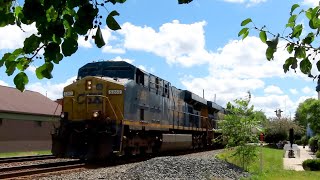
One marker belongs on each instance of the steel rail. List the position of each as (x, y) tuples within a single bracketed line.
[(28, 170), (25, 158)]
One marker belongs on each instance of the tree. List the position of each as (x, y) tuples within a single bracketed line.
[(302, 112), (278, 129), (59, 24), (303, 47), (308, 112), (238, 129)]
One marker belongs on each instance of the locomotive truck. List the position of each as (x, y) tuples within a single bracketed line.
[(115, 108)]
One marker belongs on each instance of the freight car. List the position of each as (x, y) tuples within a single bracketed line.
[(116, 108)]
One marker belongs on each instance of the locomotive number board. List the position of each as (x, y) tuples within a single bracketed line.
[(115, 91)]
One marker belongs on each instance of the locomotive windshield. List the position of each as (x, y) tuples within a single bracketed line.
[(109, 71)]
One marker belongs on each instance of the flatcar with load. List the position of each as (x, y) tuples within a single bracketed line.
[(115, 108)]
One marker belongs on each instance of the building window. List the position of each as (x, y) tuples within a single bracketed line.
[(141, 114)]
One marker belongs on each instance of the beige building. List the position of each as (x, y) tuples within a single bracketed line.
[(26, 120)]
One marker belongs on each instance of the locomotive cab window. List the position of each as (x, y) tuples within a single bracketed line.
[(0, 122), (139, 77)]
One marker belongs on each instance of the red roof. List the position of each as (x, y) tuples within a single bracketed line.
[(13, 100)]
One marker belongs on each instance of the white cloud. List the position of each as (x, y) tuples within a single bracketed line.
[(307, 90), (107, 37), (32, 69), (3, 83), (118, 58), (51, 90), (310, 2), (12, 37), (182, 44), (247, 2), (273, 90), (293, 91), (85, 43), (241, 66), (111, 49)]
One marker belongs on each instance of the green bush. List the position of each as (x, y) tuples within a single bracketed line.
[(313, 143), (318, 154), (275, 137), (304, 140), (311, 165), (299, 142)]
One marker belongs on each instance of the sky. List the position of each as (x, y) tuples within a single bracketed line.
[(194, 46)]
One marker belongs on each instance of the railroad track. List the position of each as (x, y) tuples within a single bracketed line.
[(36, 169), (25, 158)]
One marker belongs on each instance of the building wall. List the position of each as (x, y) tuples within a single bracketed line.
[(25, 135)]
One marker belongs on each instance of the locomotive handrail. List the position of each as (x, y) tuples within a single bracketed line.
[(114, 112), (187, 113)]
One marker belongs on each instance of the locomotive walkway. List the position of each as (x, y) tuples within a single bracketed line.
[(296, 163)]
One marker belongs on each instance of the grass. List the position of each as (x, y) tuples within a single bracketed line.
[(272, 168), (31, 153)]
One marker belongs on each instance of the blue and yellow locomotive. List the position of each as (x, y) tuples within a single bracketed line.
[(116, 108)]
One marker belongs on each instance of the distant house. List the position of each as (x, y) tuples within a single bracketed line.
[(26, 120)]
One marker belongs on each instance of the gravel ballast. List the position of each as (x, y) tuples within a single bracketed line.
[(196, 166)]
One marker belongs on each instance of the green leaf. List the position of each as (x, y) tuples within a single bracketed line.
[(305, 66), (273, 43), (57, 28), (86, 15), (246, 21), (184, 1), (242, 31), (69, 46), (51, 51), (51, 14), (269, 53), (111, 22), (292, 19), (20, 80), (11, 67), (309, 13), (23, 63), (290, 48), (6, 19), (32, 10), (31, 44), (245, 35), (290, 24), (44, 71), (263, 36), (293, 7), (291, 61), (315, 22), (318, 65), (300, 52), (309, 38), (99, 38), (297, 31), (58, 58)]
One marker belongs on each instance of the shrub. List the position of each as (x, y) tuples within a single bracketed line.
[(313, 143), (318, 154), (299, 142), (275, 137), (304, 140), (311, 165)]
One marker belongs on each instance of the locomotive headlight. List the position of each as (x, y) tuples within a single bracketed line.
[(62, 115), (88, 84), (96, 114)]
